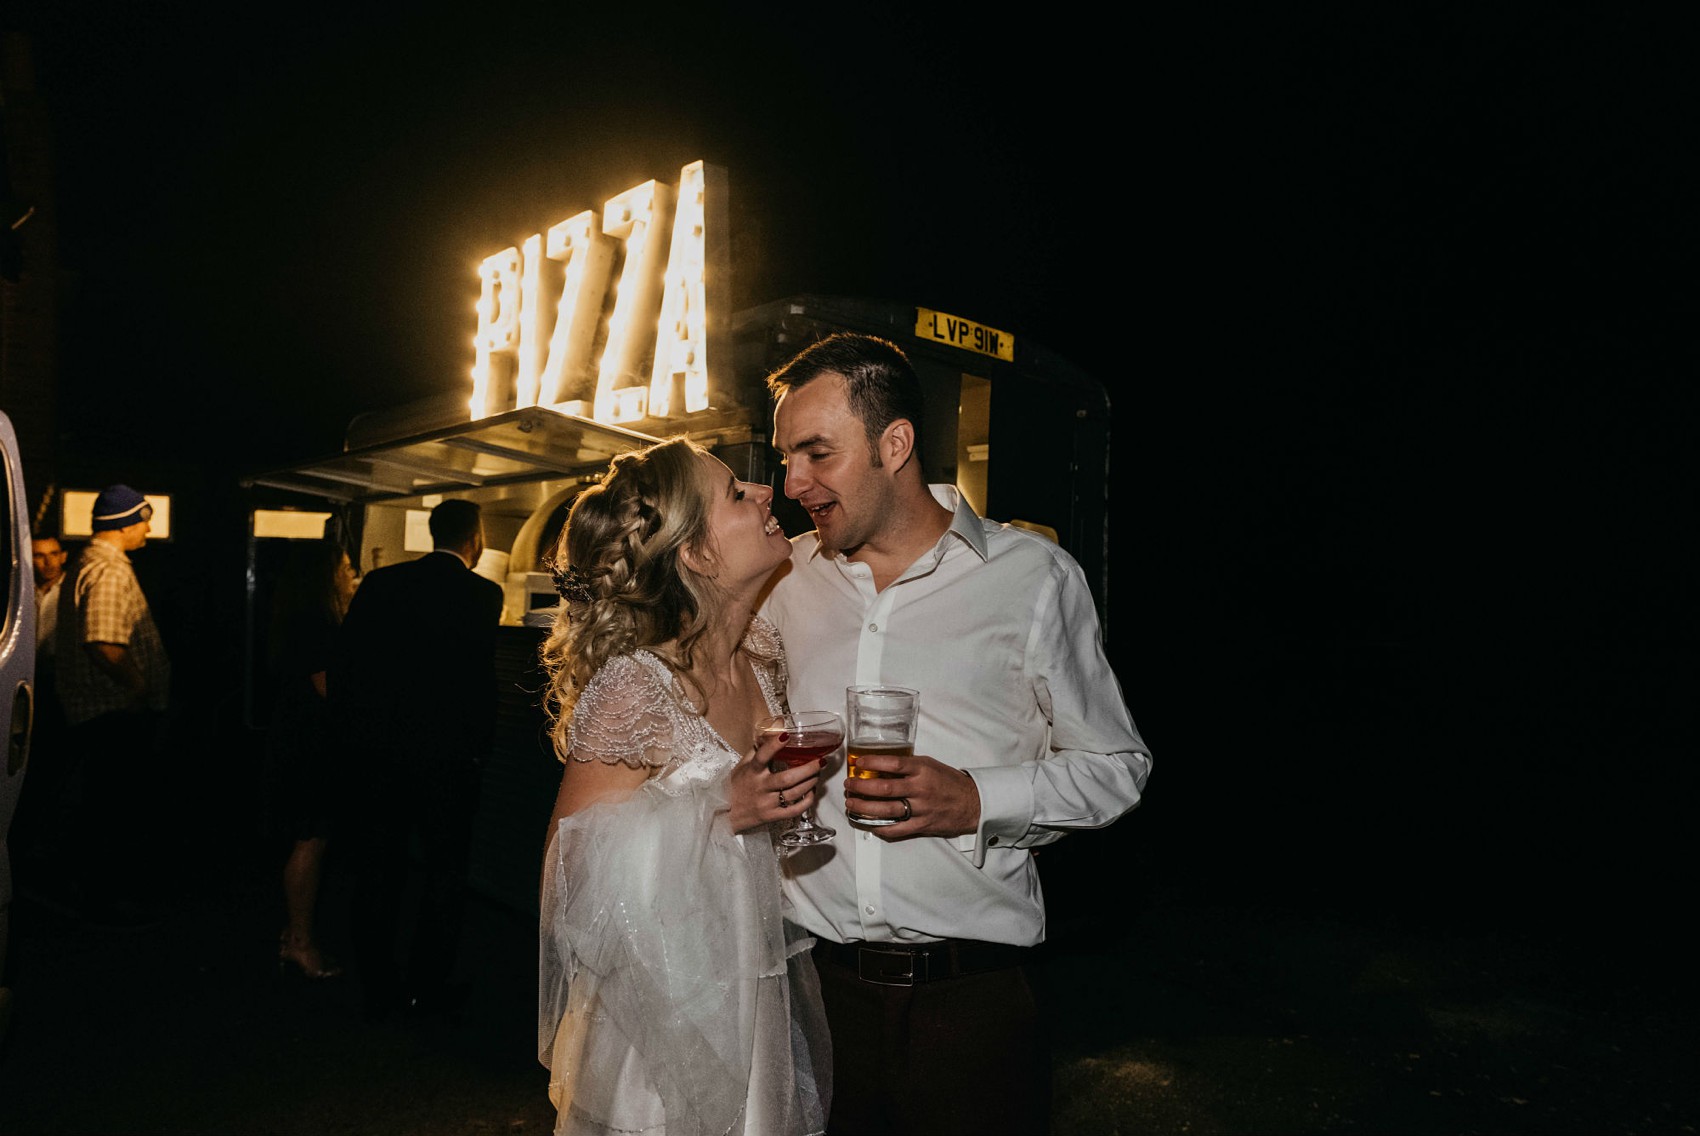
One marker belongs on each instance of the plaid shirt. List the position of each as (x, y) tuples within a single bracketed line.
[(102, 602)]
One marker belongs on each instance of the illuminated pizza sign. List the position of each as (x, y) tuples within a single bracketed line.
[(619, 316)]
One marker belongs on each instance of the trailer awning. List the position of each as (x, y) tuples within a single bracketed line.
[(520, 446)]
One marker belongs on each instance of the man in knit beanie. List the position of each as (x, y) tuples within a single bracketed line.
[(114, 681)]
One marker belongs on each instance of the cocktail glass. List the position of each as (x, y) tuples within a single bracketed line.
[(810, 734)]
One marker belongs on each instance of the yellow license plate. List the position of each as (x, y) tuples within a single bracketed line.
[(966, 334)]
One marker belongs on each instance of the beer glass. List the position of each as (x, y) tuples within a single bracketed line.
[(811, 734), (881, 719)]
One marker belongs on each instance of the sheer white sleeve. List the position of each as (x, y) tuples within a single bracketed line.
[(672, 992), (624, 717)]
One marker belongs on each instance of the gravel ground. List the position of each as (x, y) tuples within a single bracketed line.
[(1178, 1017)]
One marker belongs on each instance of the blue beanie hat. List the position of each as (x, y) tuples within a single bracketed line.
[(119, 507)]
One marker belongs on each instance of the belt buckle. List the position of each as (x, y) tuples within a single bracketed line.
[(871, 964)]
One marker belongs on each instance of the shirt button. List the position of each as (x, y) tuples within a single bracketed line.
[(873, 627), (869, 909)]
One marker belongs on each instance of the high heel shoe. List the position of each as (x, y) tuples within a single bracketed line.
[(311, 966)]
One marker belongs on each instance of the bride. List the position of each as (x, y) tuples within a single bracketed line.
[(674, 997)]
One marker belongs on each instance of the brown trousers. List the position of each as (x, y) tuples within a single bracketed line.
[(963, 1055)]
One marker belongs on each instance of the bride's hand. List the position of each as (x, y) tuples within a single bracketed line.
[(755, 793)]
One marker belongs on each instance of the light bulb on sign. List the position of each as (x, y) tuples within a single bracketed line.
[(532, 348)]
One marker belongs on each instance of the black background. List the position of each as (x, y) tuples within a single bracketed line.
[(1394, 304)]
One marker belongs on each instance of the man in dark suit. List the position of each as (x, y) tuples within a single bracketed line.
[(412, 688)]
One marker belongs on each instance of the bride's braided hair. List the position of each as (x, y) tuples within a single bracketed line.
[(620, 549)]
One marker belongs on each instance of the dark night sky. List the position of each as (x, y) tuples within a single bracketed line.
[(1388, 301)]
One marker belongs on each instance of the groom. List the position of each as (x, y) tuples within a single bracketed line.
[(924, 927)]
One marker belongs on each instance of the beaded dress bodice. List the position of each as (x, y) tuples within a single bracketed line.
[(673, 996), (635, 711)]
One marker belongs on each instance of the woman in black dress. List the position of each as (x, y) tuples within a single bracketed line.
[(307, 609)]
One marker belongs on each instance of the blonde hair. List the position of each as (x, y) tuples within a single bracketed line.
[(624, 538)]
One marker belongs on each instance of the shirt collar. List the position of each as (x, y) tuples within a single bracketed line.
[(964, 521)]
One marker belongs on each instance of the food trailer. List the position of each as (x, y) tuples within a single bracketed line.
[(610, 331)]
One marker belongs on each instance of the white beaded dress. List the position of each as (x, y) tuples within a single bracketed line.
[(674, 998)]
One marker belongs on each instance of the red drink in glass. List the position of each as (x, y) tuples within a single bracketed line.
[(810, 735), (800, 749)]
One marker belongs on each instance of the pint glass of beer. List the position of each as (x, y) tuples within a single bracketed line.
[(878, 719)]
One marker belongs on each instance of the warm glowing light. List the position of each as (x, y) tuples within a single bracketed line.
[(588, 257), (658, 326), (681, 345), (633, 217), (289, 524), (531, 310), (628, 404), (498, 331)]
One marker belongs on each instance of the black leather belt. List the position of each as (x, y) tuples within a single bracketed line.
[(909, 964)]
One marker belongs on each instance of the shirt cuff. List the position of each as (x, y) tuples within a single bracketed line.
[(1006, 810)]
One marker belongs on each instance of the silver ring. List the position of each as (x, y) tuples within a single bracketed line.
[(907, 811), (783, 803)]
